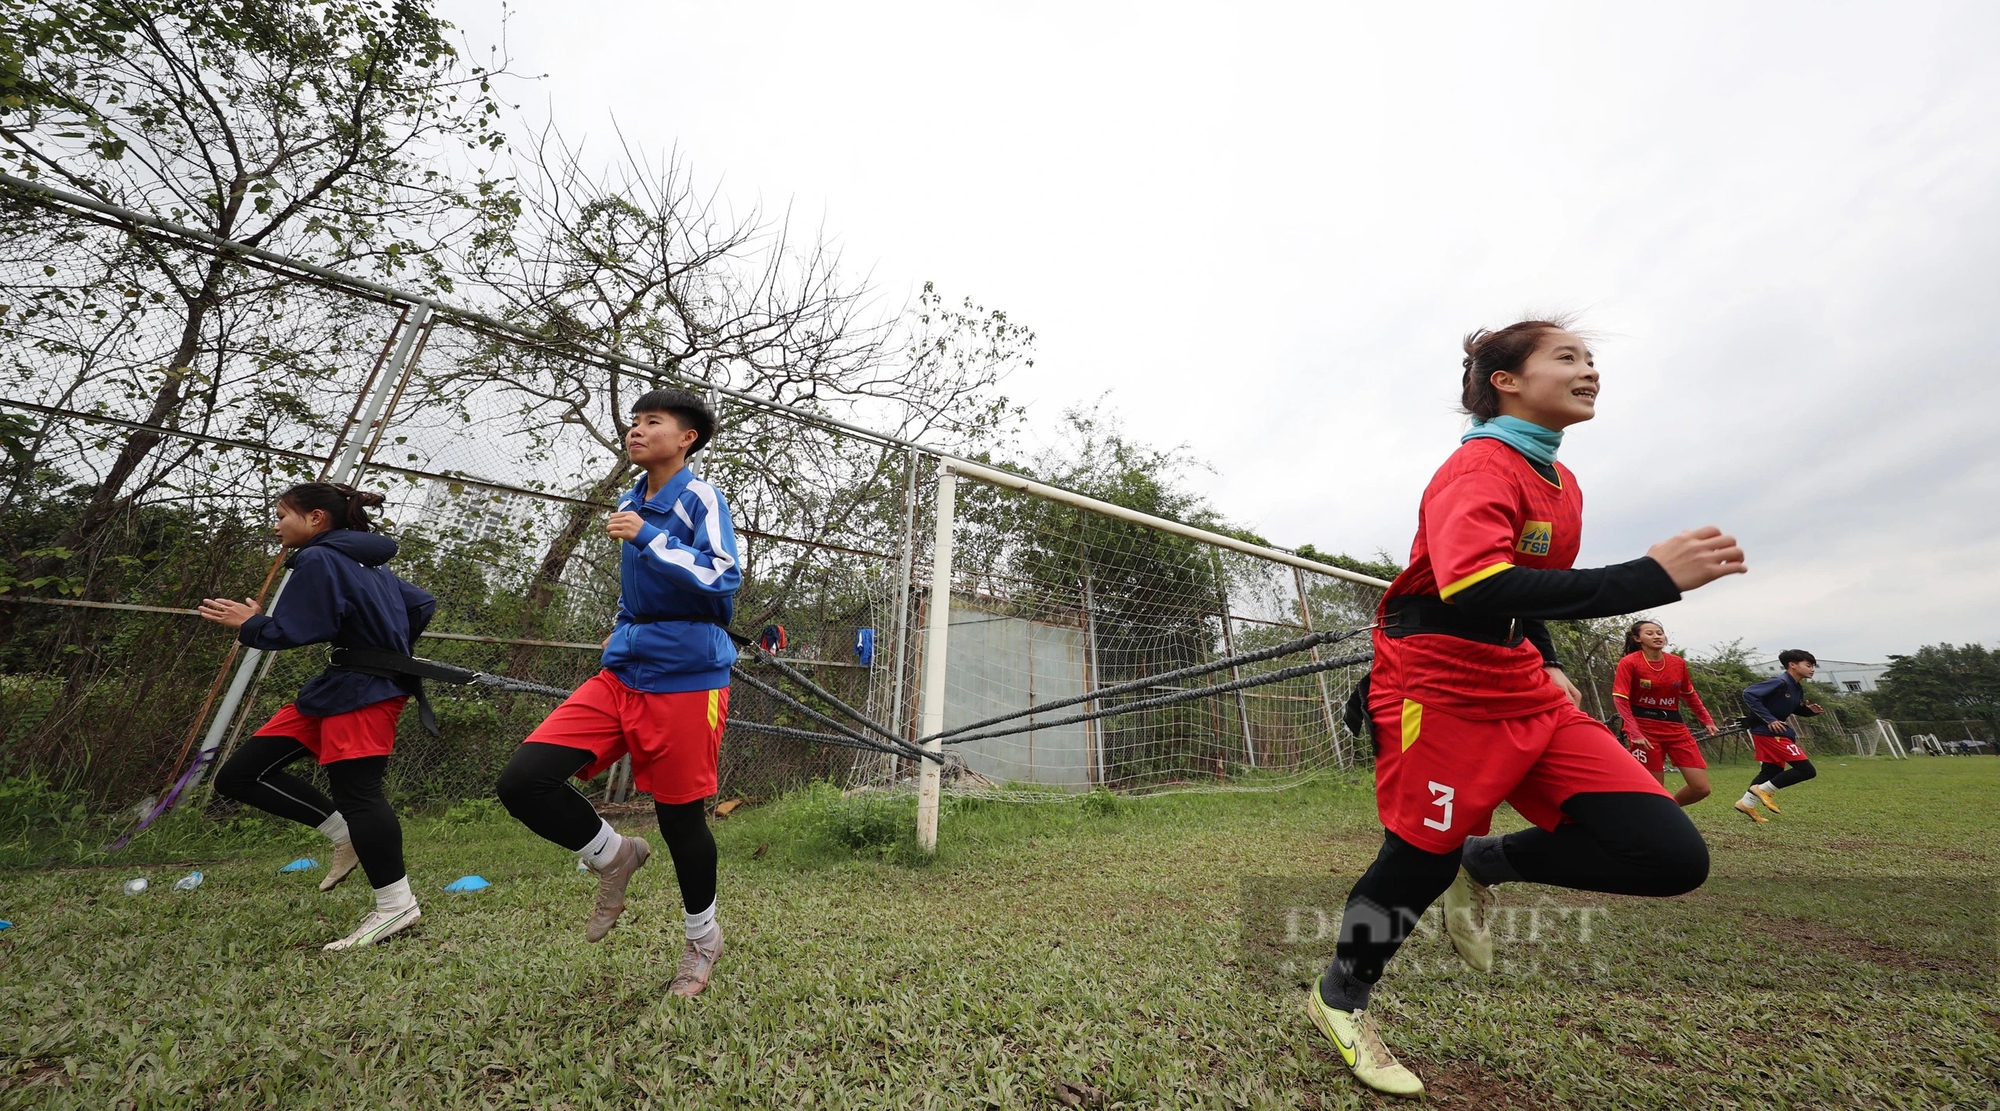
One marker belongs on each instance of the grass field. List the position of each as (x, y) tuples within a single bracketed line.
[(1085, 955)]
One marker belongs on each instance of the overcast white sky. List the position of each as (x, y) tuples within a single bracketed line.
[(1261, 230)]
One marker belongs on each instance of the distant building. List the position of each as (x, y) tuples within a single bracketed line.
[(473, 513), (1847, 675)]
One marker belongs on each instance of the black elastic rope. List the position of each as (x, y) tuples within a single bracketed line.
[(1188, 695), (820, 738), (1289, 648), (796, 676), (902, 747)]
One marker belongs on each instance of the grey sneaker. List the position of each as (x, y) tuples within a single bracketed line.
[(697, 962), (344, 863), (1467, 905), (611, 882)]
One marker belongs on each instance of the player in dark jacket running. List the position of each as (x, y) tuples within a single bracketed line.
[(341, 593), (1782, 762)]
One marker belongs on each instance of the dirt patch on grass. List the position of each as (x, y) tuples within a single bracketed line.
[(1463, 1084), (1829, 939)]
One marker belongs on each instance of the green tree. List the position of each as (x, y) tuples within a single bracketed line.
[(1942, 682)]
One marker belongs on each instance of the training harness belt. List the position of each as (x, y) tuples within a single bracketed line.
[(411, 671), (1417, 614)]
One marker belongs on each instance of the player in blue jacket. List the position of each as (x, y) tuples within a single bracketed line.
[(341, 593), (1781, 761), (663, 693)]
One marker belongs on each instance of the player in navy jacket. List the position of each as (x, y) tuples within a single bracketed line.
[(1782, 762), (340, 592), (663, 694)]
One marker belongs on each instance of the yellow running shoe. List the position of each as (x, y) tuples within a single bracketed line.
[(1466, 903), (1355, 1035), (1749, 811), (1763, 794)]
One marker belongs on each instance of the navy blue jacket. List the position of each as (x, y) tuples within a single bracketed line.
[(1774, 699), (340, 593), (682, 565)]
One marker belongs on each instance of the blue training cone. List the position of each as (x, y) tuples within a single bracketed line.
[(302, 864), (468, 883)]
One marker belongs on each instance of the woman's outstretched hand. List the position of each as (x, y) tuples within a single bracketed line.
[(1698, 557), (230, 614)]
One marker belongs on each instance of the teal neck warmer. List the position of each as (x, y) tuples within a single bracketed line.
[(1538, 444)]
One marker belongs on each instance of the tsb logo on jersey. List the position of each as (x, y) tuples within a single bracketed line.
[(1535, 537)]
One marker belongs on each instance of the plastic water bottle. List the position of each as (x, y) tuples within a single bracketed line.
[(188, 882), (136, 886)]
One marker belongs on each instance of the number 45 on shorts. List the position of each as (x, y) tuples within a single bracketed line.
[(1441, 798)]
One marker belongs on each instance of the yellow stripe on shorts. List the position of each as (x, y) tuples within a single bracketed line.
[(1413, 721), (714, 709)]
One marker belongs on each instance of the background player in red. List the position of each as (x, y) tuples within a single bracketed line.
[(1783, 762), (1648, 689), (663, 693), (341, 593), (1469, 703)]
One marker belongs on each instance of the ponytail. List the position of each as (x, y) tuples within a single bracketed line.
[(344, 506), (1632, 636)]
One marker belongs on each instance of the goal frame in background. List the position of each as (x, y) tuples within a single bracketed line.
[(932, 691)]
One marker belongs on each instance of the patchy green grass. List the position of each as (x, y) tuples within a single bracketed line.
[(1050, 956)]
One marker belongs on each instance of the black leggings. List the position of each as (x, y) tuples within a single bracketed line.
[(255, 775), (1622, 843), (1781, 776), (537, 787)]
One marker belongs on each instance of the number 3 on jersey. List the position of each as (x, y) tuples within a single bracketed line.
[(1443, 796)]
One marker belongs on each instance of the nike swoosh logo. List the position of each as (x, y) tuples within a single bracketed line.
[(378, 931), (1346, 1050)]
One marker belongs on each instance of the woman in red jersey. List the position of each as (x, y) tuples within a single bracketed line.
[(1469, 704), (1648, 689)]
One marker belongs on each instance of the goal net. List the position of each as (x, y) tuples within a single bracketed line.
[(1097, 636)]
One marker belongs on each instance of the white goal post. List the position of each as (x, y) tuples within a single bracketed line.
[(933, 691)]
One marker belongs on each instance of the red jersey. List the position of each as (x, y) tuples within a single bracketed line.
[(1640, 684), (1484, 512)]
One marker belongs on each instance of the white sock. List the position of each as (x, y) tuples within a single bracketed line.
[(699, 923), (1768, 785), (335, 829), (1749, 799), (395, 897), (602, 847)]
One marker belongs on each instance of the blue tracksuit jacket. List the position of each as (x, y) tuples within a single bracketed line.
[(677, 590)]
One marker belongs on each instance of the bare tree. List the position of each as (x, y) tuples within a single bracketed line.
[(639, 261), (316, 129)]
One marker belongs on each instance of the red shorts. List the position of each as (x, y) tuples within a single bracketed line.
[(1439, 778), (673, 737), (369, 731), (1776, 750), (1664, 739)]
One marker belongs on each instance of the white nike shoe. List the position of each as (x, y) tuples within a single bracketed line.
[(378, 926)]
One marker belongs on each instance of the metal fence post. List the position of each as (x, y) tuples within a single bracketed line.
[(930, 778), (246, 668), (1229, 649), (899, 635), (1341, 757)]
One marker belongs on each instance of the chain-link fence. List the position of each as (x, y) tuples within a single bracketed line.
[(147, 433)]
